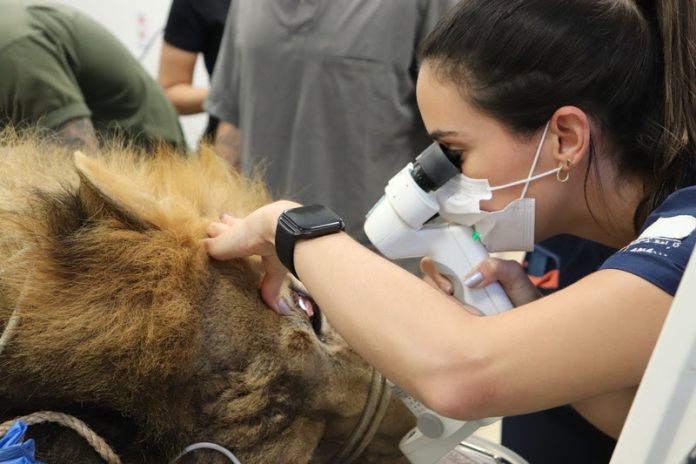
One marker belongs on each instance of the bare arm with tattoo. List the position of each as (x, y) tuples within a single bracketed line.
[(227, 143), (77, 133)]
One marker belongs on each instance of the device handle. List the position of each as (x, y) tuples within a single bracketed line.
[(489, 300)]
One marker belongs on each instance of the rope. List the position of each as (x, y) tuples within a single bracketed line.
[(98, 443), (381, 411), (375, 409)]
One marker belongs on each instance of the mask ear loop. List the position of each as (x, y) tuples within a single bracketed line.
[(530, 177), (536, 159)]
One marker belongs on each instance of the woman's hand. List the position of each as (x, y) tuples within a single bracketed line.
[(253, 235), (432, 277), (510, 274)]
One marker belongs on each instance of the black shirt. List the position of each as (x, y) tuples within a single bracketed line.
[(196, 26)]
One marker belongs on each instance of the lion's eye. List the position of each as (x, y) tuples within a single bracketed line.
[(307, 304), (310, 307)]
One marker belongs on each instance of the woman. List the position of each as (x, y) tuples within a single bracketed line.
[(601, 93)]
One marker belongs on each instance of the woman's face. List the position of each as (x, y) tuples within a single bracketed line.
[(488, 149)]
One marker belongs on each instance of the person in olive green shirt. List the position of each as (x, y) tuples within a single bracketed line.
[(62, 71)]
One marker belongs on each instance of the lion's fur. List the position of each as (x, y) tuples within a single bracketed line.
[(122, 311)]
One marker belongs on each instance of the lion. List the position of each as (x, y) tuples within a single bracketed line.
[(127, 324)]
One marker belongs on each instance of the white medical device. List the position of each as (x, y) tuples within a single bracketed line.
[(434, 436), (398, 225)]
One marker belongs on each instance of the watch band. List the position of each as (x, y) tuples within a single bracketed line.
[(302, 223), (285, 242)]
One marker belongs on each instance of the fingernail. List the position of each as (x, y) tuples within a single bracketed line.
[(282, 308), (446, 287), (474, 280), (225, 216)]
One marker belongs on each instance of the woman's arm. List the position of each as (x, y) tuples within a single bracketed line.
[(176, 76), (592, 338)]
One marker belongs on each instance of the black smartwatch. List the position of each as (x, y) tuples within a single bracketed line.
[(302, 223)]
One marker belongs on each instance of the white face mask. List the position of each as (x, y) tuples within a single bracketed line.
[(510, 229)]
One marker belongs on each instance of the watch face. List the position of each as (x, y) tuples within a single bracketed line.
[(314, 218)]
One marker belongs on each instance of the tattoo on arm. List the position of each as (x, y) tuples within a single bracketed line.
[(77, 133), (227, 143)]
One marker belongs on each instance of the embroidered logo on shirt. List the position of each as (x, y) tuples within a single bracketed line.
[(676, 227), (662, 236)]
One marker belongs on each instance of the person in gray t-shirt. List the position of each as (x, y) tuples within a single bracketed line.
[(323, 95)]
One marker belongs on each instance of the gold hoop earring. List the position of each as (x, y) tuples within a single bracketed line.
[(560, 168)]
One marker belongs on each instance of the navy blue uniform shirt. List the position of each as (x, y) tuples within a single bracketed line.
[(662, 250)]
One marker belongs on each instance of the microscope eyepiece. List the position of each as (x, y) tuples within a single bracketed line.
[(432, 168)]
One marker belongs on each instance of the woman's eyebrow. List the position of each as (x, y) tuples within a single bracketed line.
[(437, 134)]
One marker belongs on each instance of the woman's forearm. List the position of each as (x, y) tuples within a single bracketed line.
[(410, 331)]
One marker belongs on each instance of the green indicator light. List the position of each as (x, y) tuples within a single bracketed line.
[(476, 236)]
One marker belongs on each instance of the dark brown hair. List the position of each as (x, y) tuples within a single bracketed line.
[(630, 65)]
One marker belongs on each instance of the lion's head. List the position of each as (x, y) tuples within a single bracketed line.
[(126, 322)]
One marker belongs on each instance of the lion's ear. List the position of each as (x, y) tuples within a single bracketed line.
[(106, 192)]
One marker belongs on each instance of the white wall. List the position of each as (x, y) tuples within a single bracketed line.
[(139, 23)]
